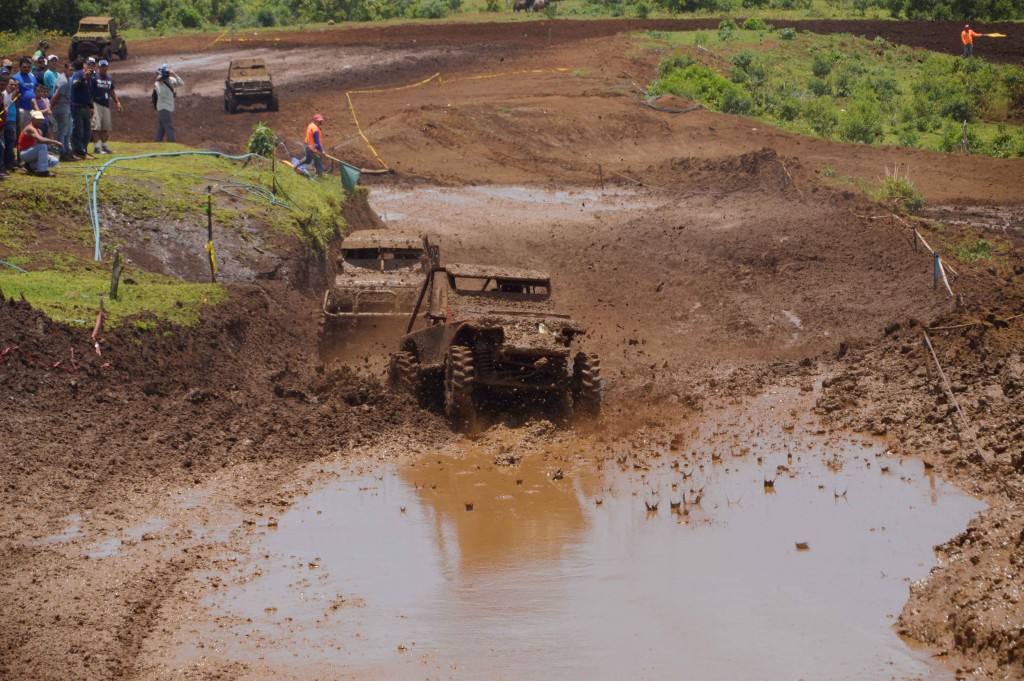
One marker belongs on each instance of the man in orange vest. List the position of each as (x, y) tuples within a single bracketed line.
[(967, 38), (315, 144)]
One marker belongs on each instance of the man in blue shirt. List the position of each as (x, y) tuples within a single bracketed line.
[(102, 95), (81, 111), (26, 91), (60, 103)]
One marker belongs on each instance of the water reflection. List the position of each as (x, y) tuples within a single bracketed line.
[(389, 576)]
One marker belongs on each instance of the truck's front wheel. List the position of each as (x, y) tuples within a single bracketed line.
[(586, 384), (459, 380)]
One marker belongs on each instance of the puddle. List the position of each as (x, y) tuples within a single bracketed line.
[(389, 576), (559, 204), (72, 531)]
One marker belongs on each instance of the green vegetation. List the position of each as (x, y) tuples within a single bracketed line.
[(899, 194), (263, 141), (848, 88), (972, 251), (72, 292), (46, 221)]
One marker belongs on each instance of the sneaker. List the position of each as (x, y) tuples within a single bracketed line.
[(106, 150), (41, 173), (96, 149)]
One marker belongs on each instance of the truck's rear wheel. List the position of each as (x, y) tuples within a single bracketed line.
[(123, 52), (586, 384), (459, 380), (402, 373), (273, 105)]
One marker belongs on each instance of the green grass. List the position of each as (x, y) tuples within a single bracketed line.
[(71, 291), (45, 224), (844, 87)]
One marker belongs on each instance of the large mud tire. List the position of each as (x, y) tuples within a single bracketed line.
[(586, 385), (459, 380), (123, 52), (107, 53), (404, 372), (273, 105), (230, 105), (85, 49)]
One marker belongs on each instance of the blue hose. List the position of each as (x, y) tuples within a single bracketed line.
[(4, 262), (93, 202)]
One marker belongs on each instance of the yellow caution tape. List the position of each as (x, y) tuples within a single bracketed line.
[(217, 39), (213, 258), (440, 81)]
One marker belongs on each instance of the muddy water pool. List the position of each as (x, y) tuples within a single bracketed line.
[(561, 571)]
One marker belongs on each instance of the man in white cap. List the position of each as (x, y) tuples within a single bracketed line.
[(167, 81), (33, 147), (103, 94)]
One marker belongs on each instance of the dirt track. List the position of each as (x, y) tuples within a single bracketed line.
[(725, 263)]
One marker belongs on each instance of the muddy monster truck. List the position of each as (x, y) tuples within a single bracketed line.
[(248, 83), (380, 274), (493, 332), (97, 36)]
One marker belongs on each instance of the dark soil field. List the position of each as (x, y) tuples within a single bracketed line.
[(710, 258)]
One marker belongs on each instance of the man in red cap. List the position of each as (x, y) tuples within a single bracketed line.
[(967, 38), (315, 144)]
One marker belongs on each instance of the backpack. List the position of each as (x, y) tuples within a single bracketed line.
[(154, 96)]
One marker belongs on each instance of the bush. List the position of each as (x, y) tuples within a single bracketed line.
[(952, 140), (755, 23), (493, 6), (819, 87), (675, 63), (727, 30), (970, 252), (262, 141), (736, 100), (787, 33), (822, 115), (788, 109), (863, 122), (642, 10), (822, 65), (190, 18), (957, 108), (265, 17), (899, 194)]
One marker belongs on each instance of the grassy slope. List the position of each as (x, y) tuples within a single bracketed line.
[(46, 228), (888, 73)]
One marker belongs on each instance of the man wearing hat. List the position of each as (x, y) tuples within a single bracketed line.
[(967, 37), (167, 81), (102, 95), (315, 144), (33, 147), (6, 66)]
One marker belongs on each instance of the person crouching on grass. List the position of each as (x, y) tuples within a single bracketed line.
[(33, 147)]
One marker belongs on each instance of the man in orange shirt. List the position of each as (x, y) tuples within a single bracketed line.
[(967, 38), (315, 144)]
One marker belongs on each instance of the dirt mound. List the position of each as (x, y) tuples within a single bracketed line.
[(762, 170)]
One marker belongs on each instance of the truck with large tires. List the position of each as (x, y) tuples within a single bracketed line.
[(97, 37), (492, 334), (248, 83)]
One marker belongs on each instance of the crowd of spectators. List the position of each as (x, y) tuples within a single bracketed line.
[(52, 110)]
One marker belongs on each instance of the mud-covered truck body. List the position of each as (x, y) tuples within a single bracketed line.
[(248, 83), (380, 274), (97, 36), (493, 331)]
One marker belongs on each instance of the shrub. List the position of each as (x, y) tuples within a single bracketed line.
[(642, 10), (979, 250), (863, 122), (899, 194), (953, 138), (493, 6), (430, 9), (957, 107), (190, 18), (907, 136), (819, 87), (822, 65), (265, 17), (736, 100), (262, 141), (754, 23), (674, 63), (743, 59), (727, 30), (701, 38), (787, 33), (822, 115), (788, 109)]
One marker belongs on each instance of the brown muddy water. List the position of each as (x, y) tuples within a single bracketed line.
[(560, 571)]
